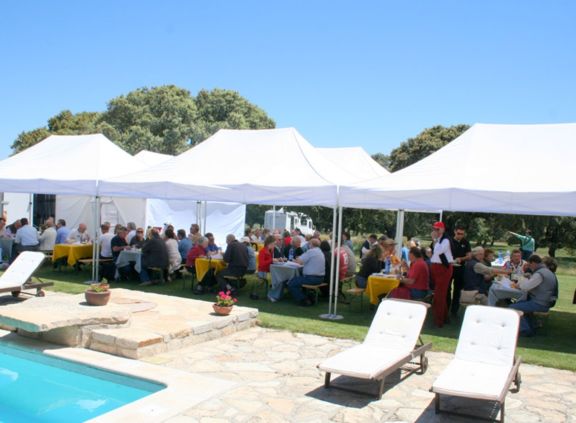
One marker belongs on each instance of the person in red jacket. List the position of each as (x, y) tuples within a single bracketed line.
[(266, 257), (200, 249)]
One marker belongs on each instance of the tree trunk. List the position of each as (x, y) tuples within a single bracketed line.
[(552, 250)]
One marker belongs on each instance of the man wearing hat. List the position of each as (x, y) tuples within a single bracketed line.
[(441, 272)]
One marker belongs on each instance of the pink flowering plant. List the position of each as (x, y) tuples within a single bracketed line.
[(225, 299)]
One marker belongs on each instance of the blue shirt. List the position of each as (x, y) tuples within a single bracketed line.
[(27, 236), (314, 262), (212, 247), (62, 235), (184, 246)]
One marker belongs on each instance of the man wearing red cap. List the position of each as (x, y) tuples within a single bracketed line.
[(441, 271)]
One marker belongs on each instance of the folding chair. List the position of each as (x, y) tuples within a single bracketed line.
[(484, 365), (393, 341), (18, 275)]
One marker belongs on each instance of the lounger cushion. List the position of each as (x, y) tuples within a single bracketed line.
[(472, 380), (488, 335), (20, 270), (363, 361), (397, 325)]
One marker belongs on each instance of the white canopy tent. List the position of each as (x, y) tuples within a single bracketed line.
[(272, 166), (356, 161), (65, 164), (522, 169)]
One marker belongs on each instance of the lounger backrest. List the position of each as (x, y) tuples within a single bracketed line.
[(397, 324), (21, 269), (488, 335)]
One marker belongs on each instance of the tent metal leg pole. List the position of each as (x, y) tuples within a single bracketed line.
[(329, 315), (336, 290)]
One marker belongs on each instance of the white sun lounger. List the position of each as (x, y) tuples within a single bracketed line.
[(18, 275), (389, 345), (484, 365)]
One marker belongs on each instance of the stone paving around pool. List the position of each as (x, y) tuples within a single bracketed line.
[(134, 324), (277, 381)]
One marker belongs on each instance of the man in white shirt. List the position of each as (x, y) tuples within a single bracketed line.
[(312, 273), (131, 226), (441, 272), (79, 236), (26, 238), (48, 237), (105, 241)]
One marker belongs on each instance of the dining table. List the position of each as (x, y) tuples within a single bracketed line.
[(133, 255), (203, 264), (280, 273), (74, 252), (380, 284)]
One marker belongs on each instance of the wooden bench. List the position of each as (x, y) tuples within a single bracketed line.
[(315, 289), (356, 292), (540, 318)]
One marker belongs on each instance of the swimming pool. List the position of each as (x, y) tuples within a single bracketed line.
[(38, 388)]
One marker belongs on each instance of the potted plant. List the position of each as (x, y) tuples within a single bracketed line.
[(224, 303), (97, 294)]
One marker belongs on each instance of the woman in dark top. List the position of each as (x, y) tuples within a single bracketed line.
[(370, 264)]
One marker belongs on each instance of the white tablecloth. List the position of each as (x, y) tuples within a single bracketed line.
[(130, 256), (280, 274)]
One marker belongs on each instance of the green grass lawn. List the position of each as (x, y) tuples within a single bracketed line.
[(554, 346)]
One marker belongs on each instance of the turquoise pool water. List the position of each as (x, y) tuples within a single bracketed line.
[(38, 388)]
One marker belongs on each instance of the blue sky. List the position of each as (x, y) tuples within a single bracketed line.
[(368, 73)]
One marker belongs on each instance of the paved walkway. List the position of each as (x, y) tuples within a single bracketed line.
[(277, 381)]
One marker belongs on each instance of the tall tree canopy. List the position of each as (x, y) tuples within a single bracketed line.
[(424, 144), (165, 119)]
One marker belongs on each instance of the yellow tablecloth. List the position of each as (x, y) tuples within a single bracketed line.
[(74, 252), (379, 285), (202, 265)]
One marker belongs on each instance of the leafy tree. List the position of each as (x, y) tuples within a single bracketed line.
[(382, 159), (226, 109), (424, 144), (66, 123), (160, 119), (29, 138)]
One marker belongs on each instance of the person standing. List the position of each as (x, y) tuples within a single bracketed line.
[(441, 271), (461, 252), (527, 243)]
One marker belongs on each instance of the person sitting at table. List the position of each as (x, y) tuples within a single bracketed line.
[(312, 273), (174, 258), (257, 235), (11, 229), (118, 244), (131, 227), (62, 232), (197, 251), (79, 235), (415, 281), (370, 264), (368, 243), (48, 236), (106, 241), (351, 260), (184, 244), (266, 257), (138, 240), (213, 249), (154, 254), (194, 234), (3, 228), (294, 250), (390, 262), (541, 290), (515, 264), (251, 256), (26, 238), (477, 275), (325, 248), (236, 256), (278, 248), (346, 240)]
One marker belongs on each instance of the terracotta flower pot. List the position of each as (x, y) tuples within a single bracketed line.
[(97, 298), (222, 310)]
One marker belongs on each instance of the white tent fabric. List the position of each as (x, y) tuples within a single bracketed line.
[(522, 169), (355, 160), (65, 164), (220, 218), (275, 166), (150, 158)]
